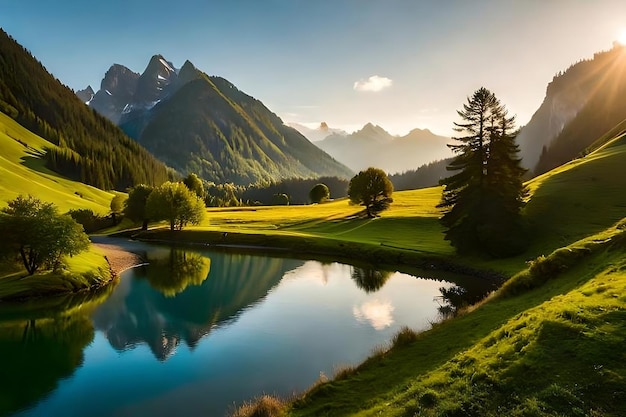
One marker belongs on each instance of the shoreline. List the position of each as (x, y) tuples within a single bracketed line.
[(119, 258), (340, 250)]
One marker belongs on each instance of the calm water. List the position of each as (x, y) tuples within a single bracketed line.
[(196, 331)]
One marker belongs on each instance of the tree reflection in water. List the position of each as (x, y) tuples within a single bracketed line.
[(172, 274), (37, 353), (369, 280), (455, 298)]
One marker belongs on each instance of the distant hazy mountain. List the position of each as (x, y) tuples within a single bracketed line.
[(319, 133), (581, 105), (204, 124), (373, 146)]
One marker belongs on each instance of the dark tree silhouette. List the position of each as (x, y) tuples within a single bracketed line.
[(481, 203)]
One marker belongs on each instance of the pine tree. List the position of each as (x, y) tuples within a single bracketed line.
[(482, 201)]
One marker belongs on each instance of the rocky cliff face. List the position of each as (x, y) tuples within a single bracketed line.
[(205, 125), (568, 96), (117, 89)]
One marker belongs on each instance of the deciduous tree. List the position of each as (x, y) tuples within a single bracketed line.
[(319, 193), (372, 189), (39, 234), (135, 204), (172, 201)]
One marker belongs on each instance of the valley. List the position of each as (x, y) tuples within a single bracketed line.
[(282, 270)]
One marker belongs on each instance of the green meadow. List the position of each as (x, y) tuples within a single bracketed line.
[(23, 171), (547, 343)]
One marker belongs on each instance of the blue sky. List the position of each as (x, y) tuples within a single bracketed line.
[(401, 64)]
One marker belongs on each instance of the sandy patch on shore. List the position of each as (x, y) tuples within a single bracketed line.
[(119, 258)]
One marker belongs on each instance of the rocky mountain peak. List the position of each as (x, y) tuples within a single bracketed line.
[(86, 94)]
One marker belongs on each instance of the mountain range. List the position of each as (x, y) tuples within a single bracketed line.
[(374, 146), (204, 124), (321, 132)]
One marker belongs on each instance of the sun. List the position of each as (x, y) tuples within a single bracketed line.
[(621, 38)]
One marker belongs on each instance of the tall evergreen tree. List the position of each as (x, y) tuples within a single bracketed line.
[(482, 201)]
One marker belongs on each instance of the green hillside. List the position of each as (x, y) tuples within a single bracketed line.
[(23, 171), (545, 345), (209, 127), (89, 148), (602, 81)]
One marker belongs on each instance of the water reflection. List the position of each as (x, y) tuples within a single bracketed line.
[(143, 309), (369, 280), (454, 298), (37, 353), (173, 271), (267, 324), (378, 313)]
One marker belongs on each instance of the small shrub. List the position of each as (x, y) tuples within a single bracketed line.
[(428, 399), (264, 406), (404, 337)]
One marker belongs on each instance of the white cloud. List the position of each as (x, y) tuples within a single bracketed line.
[(378, 313), (374, 84)]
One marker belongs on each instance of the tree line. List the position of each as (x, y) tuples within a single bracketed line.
[(89, 148)]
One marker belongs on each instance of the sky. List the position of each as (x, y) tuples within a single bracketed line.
[(400, 64)]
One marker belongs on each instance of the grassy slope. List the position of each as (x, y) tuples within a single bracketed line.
[(555, 350), (567, 204), (22, 171), (534, 354)]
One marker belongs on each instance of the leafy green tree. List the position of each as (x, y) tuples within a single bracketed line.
[(39, 234), (194, 184), (319, 193), (371, 188), (135, 204), (117, 206), (172, 201), (481, 202)]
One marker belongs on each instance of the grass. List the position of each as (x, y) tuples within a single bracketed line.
[(22, 171), (548, 343), (553, 350), (85, 271)]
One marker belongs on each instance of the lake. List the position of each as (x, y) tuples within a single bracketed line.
[(196, 331)]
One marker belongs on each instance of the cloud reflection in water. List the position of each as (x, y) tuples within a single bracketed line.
[(378, 313)]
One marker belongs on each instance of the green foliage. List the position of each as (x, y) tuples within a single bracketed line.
[(88, 147), (194, 184), (34, 230), (172, 201), (372, 189), (319, 193), (481, 202), (90, 221), (135, 204), (117, 203)]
